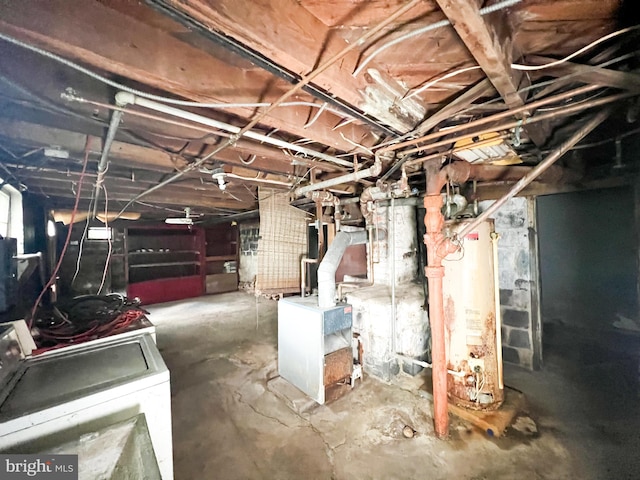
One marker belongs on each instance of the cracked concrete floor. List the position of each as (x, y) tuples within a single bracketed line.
[(227, 423)]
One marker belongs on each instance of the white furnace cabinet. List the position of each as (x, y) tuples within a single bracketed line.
[(314, 347)]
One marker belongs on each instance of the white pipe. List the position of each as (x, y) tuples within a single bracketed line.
[(372, 171), (126, 98), (257, 180), (392, 250)]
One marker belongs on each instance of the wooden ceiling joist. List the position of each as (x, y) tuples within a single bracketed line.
[(177, 67), (492, 48)]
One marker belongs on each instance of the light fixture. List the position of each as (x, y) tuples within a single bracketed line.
[(56, 152), (186, 220), (51, 229), (486, 148), (219, 175)]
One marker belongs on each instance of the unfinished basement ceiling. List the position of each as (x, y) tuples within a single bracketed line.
[(394, 95)]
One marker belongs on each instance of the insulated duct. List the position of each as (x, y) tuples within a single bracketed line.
[(329, 265)]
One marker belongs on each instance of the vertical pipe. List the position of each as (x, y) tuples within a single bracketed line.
[(320, 230), (392, 251), (116, 116), (437, 248), (496, 297)]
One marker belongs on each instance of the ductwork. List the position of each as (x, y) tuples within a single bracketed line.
[(329, 265)]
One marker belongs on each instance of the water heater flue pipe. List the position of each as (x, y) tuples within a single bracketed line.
[(329, 265)]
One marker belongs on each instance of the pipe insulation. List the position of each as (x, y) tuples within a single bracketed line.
[(329, 265), (126, 98)]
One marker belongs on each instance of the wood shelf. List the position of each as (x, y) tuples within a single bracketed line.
[(164, 264), (221, 258), (195, 252)]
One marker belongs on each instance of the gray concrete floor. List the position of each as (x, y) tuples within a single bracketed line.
[(229, 424)]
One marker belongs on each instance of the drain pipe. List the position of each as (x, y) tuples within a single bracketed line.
[(126, 98), (329, 265), (116, 116), (438, 247), (391, 248)]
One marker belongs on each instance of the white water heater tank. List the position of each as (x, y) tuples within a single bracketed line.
[(472, 319)]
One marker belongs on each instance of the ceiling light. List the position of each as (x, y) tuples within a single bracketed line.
[(56, 152), (186, 220), (218, 174), (486, 148)]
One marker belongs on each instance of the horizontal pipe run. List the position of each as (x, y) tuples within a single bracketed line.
[(538, 170), (491, 118), (516, 123), (372, 171), (125, 98), (195, 127)]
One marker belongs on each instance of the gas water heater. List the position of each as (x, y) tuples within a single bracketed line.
[(472, 319)]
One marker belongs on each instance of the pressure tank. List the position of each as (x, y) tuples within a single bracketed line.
[(472, 319)]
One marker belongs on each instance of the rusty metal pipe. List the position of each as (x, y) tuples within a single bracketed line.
[(538, 118), (438, 247), (491, 118), (538, 169)]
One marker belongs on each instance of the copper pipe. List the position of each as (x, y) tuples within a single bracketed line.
[(528, 121), (539, 169), (491, 118)]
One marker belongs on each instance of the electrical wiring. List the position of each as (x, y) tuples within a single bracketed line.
[(82, 239), (110, 251), (517, 66), (68, 239), (431, 83), (158, 98), (85, 318), (442, 23)]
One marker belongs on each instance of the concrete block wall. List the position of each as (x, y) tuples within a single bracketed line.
[(519, 283)]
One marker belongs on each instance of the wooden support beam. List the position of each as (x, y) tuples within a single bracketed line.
[(491, 45), (290, 35), (588, 74), (479, 90), (93, 34), (492, 50), (495, 190), (123, 154), (127, 155), (176, 200)]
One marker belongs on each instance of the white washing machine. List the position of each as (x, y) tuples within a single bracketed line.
[(54, 398)]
